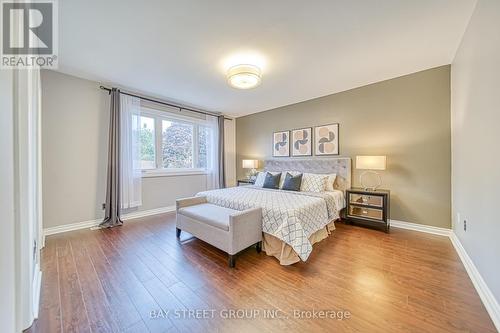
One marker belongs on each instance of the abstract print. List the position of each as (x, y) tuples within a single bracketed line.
[(302, 142), (327, 139), (281, 144)]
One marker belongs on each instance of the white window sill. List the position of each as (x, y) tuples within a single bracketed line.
[(172, 173)]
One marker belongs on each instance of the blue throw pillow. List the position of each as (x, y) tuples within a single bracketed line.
[(292, 183), (272, 181)]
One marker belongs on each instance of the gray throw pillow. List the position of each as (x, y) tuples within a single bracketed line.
[(272, 181), (292, 183)]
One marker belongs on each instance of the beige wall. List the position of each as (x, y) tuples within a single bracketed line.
[(75, 117), (407, 119), (475, 136)]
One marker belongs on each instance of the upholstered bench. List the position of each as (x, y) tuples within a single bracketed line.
[(227, 229)]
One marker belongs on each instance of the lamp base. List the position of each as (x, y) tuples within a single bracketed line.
[(251, 174), (370, 187)]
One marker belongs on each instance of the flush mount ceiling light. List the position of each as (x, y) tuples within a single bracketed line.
[(244, 76)]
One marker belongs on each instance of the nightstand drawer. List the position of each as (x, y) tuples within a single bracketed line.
[(364, 199), (365, 212), (370, 208)]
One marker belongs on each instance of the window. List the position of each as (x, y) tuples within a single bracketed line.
[(148, 143), (204, 135), (177, 145), (173, 145)]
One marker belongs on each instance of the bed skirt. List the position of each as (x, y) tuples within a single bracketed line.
[(273, 246)]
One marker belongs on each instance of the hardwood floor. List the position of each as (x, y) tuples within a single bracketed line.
[(116, 280)]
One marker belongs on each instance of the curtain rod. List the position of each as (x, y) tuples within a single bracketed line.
[(164, 103)]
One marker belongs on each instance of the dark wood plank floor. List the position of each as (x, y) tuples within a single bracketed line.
[(126, 279)]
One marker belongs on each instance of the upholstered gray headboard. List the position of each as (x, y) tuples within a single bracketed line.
[(339, 165)]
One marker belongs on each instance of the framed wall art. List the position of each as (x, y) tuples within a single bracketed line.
[(302, 142), (281, 144), (326, 140)]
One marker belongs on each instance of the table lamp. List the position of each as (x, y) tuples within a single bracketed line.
[(250, 164), (370, 164)]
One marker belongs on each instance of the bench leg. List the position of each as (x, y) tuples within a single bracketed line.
[(177, 232), (258, 247), (232, 260)]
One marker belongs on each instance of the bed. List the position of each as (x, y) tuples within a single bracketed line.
[(292, 221)]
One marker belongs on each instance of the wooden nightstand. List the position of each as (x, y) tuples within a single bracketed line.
[(243, 182), (369, 208)]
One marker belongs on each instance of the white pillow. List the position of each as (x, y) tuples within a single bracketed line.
[(261, 177), (312, 182), (330, 181)]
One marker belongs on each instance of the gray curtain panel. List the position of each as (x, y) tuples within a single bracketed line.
[(222, 174), (112, 213)]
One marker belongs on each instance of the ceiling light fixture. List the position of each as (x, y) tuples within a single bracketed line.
[(244, 76)]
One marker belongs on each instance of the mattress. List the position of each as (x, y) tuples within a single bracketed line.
[(289, 216)]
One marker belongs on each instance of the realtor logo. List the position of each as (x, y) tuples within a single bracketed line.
[(29, 34)]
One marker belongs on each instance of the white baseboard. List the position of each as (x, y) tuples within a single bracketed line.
[(70, 227), (93, 223), (37, 289), (421, 228), (149, 212), (489, 301)]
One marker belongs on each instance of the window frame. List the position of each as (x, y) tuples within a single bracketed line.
[(159, 171)]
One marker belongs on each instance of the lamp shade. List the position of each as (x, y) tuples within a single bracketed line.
[(371, 162), (250, 164)]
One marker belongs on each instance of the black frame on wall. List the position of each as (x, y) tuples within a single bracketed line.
[(338, 140), (313, 141), (291, 141), (288, 131)]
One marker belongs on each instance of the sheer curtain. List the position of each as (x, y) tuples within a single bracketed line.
[(221, 151), (130, 150), (213, 162)]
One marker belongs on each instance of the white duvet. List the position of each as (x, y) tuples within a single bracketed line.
[(290, 216)]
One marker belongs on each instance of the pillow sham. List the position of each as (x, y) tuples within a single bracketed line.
[(292, 183), (283, 176), (261, 177), (272, 181), (259, 180), (330, 181), (312, 182)]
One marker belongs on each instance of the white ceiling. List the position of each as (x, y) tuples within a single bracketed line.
[(178, 50)]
